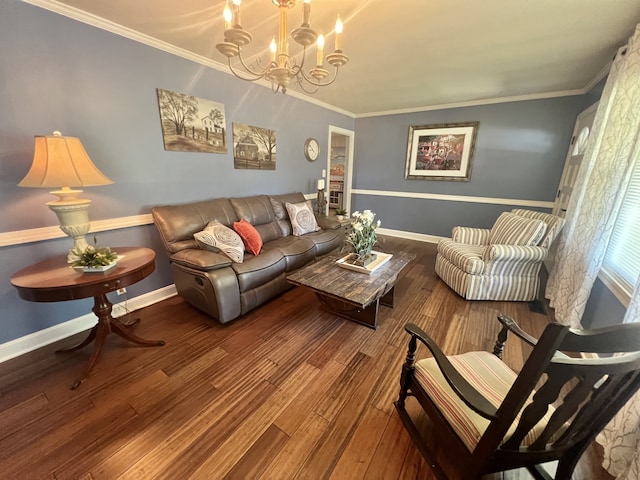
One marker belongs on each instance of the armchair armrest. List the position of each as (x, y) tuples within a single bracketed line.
[(200, 259), (469, 395), (471, 236), (518, 253)]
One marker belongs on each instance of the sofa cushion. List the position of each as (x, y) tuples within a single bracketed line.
[(511, 229), (257, 210), (282, 216), (259, 269), (467, 258), (250, 236), (325, 240), (302, 218), (297, 251), (217, 235)]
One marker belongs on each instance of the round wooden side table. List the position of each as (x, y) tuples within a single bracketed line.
[(53, 280)]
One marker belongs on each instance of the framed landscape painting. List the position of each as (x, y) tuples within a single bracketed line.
[(253, 147), (191, 124), (441, 152)]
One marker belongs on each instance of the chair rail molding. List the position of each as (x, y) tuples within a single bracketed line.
[(456, 198)]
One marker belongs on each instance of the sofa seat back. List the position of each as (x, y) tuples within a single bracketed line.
[(257, 210), (178, 223), (278, 203)]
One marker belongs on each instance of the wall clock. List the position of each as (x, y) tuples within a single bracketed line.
[(311, 149)]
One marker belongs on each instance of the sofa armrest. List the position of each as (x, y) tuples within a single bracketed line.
[(200, 259), (327, 223), (471, 236)]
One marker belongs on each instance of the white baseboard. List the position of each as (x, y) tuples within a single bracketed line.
[(421, 237), (39, 339)]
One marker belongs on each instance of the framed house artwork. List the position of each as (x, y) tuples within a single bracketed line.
[(253, 147), (441, 152), (191, 124)]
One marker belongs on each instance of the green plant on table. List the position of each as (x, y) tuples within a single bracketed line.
[(341, 211), (363, 233), (92, 256)]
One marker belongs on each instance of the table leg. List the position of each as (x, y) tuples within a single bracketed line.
[(102, 331), (84, 343), (119, 328), (106, 324), (387, 298)]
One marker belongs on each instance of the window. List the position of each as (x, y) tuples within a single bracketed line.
[(622, 261)]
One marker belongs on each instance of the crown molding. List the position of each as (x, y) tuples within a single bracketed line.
[(475, 103)]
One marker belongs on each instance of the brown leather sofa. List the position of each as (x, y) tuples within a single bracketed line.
[(224, 289)]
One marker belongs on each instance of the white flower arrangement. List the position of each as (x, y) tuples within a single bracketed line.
[(363, 234)]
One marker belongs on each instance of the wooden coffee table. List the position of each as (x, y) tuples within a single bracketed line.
[(350, 294)]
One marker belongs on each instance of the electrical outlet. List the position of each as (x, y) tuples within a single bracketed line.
[(121, 291)]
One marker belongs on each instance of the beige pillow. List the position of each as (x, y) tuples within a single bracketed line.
[(302, 218), (216, 235), (512, 229)]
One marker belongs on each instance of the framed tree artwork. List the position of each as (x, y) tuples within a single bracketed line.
[(253, 147), (191, 124), (441, 152)]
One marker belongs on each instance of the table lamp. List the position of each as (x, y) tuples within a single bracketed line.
[(62, 162)]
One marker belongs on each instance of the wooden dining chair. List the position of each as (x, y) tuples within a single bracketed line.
[(487, 418)]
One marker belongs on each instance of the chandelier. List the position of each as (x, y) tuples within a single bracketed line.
[(282, 68)]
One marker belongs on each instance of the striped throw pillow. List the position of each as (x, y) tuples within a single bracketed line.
[(511, 229)]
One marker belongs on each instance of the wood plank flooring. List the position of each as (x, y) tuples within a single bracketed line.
[(287, 391)]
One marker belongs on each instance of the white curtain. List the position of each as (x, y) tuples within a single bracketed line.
[(601, 182), (602, 177), (621, 438)]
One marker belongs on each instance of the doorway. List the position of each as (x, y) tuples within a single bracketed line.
[(340, 169), (581, 134)]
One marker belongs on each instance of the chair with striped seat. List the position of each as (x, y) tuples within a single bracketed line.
[(486, 418), (501, 263)]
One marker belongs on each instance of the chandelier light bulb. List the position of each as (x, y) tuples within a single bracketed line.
[(339, 27), (320, 53), (228, 16), (236, 14), (273, 47), (306, 13)]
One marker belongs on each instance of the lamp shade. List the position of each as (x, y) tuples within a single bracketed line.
[(62, 162)]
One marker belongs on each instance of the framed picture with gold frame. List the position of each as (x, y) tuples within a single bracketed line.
[(441, 152)]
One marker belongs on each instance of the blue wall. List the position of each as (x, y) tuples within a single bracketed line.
[(60, 74), (520, 153)]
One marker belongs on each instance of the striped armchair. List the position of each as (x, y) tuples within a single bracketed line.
[(501, 263)]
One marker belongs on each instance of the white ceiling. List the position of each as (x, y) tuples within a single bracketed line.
[(408, 54)]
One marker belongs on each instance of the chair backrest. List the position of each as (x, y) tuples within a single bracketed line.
[(554, 224), (585, 392)]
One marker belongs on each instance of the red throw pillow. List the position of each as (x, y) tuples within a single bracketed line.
[(250, 236)]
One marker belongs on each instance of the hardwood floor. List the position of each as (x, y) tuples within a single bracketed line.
[(287, 391)]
